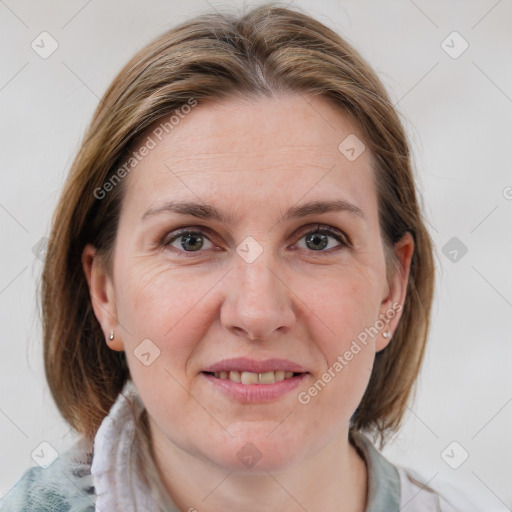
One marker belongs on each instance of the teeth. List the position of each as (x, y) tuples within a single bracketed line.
[(279, 376), (234, 376), (267, 378), (250, 378), (255, 378)]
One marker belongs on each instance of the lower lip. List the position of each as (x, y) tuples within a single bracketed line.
[(253, 393)]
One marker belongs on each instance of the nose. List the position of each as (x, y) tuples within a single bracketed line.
[(258, 303)]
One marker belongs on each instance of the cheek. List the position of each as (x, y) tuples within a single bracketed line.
[(335, 392), (346, 312), (347, 305), (163, 316), (155, 299)]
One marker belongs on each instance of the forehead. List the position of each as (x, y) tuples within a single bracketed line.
[(287, 146)]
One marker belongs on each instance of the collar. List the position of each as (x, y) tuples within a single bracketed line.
[(383, 478), (113, 470)]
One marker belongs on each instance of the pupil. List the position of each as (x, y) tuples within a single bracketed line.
[(319, 241), (189, 239)]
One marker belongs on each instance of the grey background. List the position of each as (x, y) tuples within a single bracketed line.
[(458, 113)]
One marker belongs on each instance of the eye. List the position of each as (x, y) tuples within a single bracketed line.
[(187, 241), (318, 239)]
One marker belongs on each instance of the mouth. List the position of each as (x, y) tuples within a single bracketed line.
[(250, 381), (245, 377)]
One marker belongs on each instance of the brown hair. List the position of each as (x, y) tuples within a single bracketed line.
[(263, 52)]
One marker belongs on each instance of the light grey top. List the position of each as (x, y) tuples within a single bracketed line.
[(383, 477)]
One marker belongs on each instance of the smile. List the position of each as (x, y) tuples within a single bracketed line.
[(254, 378), (248, 380)]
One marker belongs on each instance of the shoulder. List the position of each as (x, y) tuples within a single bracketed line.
[(395, 488), (65, 486), (418, 494)]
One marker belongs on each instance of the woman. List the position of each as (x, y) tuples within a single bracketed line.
[(238, 282)]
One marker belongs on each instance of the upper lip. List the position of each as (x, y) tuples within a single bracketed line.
[(245, 364)]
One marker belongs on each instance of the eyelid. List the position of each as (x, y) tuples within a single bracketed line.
[(176, 233), (341, 237)]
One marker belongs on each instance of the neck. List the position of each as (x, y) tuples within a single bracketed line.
[(333, 480)]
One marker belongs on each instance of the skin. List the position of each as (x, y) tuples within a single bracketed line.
[(252, 160)]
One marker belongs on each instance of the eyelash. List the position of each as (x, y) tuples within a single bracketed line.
[(169, 238)]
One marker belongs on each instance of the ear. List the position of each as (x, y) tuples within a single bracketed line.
[(392, 304), (101, 290)]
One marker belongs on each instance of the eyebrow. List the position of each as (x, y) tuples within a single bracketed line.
[(205, 211)]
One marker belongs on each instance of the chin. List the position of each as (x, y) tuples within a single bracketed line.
[(252, 459), (257, 449)]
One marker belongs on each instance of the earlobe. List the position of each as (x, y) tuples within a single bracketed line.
[(392, 304), (101, 292)]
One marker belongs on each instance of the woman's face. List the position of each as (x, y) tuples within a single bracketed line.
[(259, 287)]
